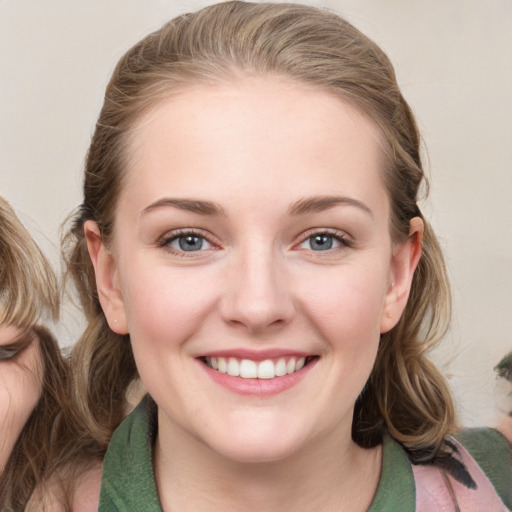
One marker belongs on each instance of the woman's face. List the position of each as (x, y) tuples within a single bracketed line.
[(20, 384), (252, 237)]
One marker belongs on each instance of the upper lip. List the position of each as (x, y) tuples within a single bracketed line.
[(256, 355)]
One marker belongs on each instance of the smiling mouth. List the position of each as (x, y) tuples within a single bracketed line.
[(266, 369)]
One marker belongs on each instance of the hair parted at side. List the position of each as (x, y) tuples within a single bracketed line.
[(29, 293), (28, 287), (50, 448), (406, 395)]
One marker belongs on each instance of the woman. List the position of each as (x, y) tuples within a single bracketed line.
[(38, 431), (32, 368), (251, 246)]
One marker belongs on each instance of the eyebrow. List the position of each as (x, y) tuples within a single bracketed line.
[(190, 205), (305, 205), (316, 204)]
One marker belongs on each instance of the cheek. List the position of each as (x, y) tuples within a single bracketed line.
[(346, 309), (167, 306), (19, 393), (20, 389), (346, 303)]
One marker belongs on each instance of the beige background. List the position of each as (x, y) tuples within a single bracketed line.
[(454, 63)]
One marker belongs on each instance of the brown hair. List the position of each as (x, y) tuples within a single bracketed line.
[(50, 441), (29, 292), (406, 395), (28, 287), (33, 451)]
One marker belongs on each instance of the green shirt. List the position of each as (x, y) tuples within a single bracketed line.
[(128, 481)]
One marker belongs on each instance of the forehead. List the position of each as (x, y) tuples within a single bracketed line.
[(268, 134)]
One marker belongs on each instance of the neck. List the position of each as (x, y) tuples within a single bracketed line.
[(334, 474)]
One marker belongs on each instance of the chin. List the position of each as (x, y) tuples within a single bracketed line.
[(256, 452), (258, 445)]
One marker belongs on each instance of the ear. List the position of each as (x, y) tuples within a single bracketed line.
[(404, 261), (107, 279)]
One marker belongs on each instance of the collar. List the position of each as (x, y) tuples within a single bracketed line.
[(128, 480)]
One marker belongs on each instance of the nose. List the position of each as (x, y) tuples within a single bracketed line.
[(257, 295)]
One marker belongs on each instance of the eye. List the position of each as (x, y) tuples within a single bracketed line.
[(187, 242), (323, 242), (9, 352), (12, 350)]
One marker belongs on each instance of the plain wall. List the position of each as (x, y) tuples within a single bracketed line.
[(453, 61)]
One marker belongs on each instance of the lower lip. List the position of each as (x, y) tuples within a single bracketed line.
[(258, 387)]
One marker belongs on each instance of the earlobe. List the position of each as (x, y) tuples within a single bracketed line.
[(404, 261), (105, 270)]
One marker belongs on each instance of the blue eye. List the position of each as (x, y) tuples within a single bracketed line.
[(321, 242), (189, 243)]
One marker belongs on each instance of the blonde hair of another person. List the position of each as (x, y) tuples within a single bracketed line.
[(29, 295)]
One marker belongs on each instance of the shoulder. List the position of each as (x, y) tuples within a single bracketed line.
[(489, 447), (493, 453), (87, 491), (485, 458), (81, 495)]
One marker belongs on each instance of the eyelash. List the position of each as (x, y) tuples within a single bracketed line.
[(165, 241), (340, 237), (11, 352)]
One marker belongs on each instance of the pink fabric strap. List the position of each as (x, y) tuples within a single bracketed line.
[(433, 492)]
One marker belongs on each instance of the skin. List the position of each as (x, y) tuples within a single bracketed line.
[(257, 149), (85, 496), (20, 385), (505, 427)]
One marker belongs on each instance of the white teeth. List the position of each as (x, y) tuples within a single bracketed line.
[(223, 365), (248, 369), (281, 367), (266, 370), (233, 367)]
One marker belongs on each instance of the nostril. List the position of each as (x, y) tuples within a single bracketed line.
[(256, 302), (256, 319)]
